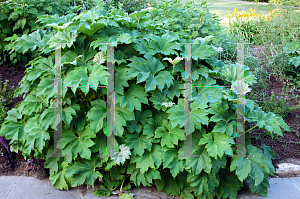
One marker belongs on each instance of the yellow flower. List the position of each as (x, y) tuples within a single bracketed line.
[(227, 16), (235, 10), (250, 9)]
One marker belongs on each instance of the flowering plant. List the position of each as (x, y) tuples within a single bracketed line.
[(248, 23)]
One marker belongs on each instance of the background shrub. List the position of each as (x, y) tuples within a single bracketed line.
[(19, 17)]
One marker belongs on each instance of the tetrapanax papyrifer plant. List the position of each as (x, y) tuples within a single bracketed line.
[(149, 109)]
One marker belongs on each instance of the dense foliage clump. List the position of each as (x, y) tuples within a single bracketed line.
[(150, 112)]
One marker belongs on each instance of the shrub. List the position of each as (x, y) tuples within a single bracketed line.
[(149, 108), (19, 17), (129, 5), (287, 2)]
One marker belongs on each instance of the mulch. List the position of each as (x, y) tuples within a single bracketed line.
[(286, 148), (14, 75)]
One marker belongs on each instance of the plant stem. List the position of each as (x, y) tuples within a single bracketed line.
[(250, 129), (123, 183)]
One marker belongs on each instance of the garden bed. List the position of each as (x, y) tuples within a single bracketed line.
[(288, 146), (284, 148)]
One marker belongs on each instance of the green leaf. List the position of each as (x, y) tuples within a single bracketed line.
[(158, 98), (84, 171), (223, 127), (97, 114), (261, 189), (13, 115), (86, 77), (143, 47), (125, 38), (292, 46), (46, 86), (186, 193), (133, 98), (164, 44), (178, 115), (235, 72), (268, 121), (218, 163), (77, 144), (147, 160), (64, 38), (202, 52), (145, 178), (139, 143), (37, 136), (121, 80), (90, 29), (206, 94), (169, 135), (174, 90), (203, 183), (256, 165), (146, 69), (295, 61), (229, 184), (124, 196), (58, 179), (137, 15), (107, 187), (68, 111), (121, 116), (172, 162), (217, 144), (33, 103), (100, 145), (267, 151), (142, 117), (52, 162), (13, 131), (201, 163), (171, 186)]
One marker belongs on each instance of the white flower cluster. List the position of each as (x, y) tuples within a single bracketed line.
[(166, 104), (219, 49)]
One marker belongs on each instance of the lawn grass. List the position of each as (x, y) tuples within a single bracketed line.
[(222, 8)]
